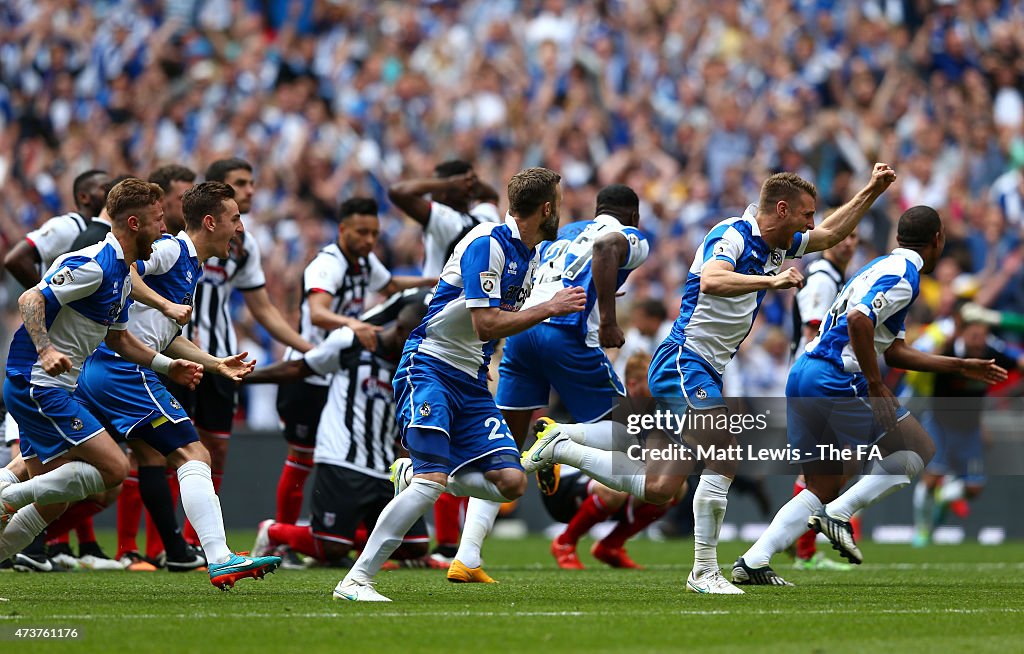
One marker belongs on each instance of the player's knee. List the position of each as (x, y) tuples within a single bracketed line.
[(300, 455), (114, 471), (334, 551), (107, 497), (826, 487), (661, 490), (511, 483), (612, 499)]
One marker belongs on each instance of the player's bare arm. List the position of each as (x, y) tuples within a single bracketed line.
[(321, 316), (263, 310), (844, 220), (721, 279), (610, 254), (282, 372), (234, 367), (408, 194), (22, 261), (32, 305), (141, 292), (491, 323), (901, 355), (180, 371), (862, 340), (402, 282)]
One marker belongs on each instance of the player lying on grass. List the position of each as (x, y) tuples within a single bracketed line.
[(836, 397), (739, 260)]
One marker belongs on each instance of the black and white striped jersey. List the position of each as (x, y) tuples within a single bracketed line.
[(212, 328), (347, 282), (822, 284), (357, 427), (56, 236)]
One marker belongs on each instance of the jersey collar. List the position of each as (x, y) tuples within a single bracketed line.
[(750, 215), (606, 219), (513, 227), (113, 242), (103, 221), (183, 236), (911, 256)]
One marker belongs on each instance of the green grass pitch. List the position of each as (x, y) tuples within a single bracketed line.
[(944, 598)]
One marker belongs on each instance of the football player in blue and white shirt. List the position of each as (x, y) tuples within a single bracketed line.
[(455, 434), (153, 421), (82, 301), (738, 261), (837, 398)]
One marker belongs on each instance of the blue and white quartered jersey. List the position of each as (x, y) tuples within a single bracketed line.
[(490, 267), (86, 294), (712, 326), (173, 271), (883, 291), (566, 262)]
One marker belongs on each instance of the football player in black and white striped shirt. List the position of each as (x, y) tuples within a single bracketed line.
[(337, 284), (355, 442)]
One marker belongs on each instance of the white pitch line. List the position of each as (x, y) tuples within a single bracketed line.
[(513, 614)]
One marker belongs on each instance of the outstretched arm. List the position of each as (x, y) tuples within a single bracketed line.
[(180, 371), (234, 367), (491, 323), (266, 314), (720, 278), (845, 219), (901, 355), (281, 372)]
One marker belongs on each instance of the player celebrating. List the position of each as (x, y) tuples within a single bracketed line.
[(739, 260), (154, 423), (829, 389), (821, 286), (212, 404), (446, 218), (454, 432), (355, 440), (335, 283), (82, 300)]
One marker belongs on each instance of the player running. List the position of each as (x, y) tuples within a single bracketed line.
[(455, 434), (739, 260), (82, 301), (836, 397), (154, 423)]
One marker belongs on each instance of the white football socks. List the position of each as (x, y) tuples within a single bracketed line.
[(70, 482), (21, 530), (8, 476), (709, 503), (604, 435), (882, 479), (394, 522), (613, 469), (474, 484), (788, 525), (202, 507), (480, 517), (922, 506)]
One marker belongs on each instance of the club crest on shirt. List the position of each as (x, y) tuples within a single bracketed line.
[(701, 394), (187, 300), (175, 404), (330, 518), (77, 424), (424, 410), (776, 258)]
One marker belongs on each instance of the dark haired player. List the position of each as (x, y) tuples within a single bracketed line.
[(836, 397)]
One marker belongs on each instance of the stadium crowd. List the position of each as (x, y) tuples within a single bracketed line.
[(692, 104)]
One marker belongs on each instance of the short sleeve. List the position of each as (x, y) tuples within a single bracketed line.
[(379, 275), (55, 237), (166, 252), (250, 277), (724, 243), (122, 318), (815, 298), (323, 275), (886, 297), (326, 357), (71, 278), (481, 267), (639, 248), (799, 245), (444, 223), (487, 212)]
